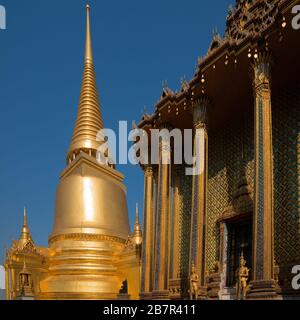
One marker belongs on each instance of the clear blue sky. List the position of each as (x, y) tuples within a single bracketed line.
[(137, 44)]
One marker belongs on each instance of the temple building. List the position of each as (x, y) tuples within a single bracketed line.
[(91, 252), (232, 231)]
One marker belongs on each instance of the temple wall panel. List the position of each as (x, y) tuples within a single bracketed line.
[(231, 153), (181, 207), (286, 142)]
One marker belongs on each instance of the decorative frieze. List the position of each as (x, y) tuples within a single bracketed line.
[(86, 237)]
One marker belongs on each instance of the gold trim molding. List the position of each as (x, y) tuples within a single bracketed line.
[(85, 237)]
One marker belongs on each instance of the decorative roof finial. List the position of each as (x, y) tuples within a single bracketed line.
[(25, 218), (215, 32), (137, 228), (25, 233), (137, 213)]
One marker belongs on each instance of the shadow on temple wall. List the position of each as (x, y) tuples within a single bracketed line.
[(231, 155), (186, 194), (286, 144)]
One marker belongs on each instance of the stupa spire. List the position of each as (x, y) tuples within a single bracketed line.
[(88, 39), (137, 220), (137, 233), (89, 118), (25, 218), (25, 234)]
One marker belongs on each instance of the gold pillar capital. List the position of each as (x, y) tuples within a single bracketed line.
[(262, 71), (200, 101), (148, 169), (164, 125), (200, 109), (263, 57)]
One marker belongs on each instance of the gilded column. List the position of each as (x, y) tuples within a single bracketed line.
[(148, 234), (161, 270), (197, 255), (7, 282), (175, 225), (263, 284)]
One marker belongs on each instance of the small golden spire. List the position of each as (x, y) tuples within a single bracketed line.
[(137, 234), (25, 218), (25, 234), (137, 221), (89, 118)]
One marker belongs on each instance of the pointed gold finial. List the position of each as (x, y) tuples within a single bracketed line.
[(137, 220), (88, 44), (89, 118), (25, 218), (25, 234), (137, 227)]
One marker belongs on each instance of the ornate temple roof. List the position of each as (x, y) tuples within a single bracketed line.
[(247, 21), (251, 25), (25, 245)]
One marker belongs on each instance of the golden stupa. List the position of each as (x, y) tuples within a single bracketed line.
[(91, 252)]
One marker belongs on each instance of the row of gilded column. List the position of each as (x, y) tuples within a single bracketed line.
[(156, 245)]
